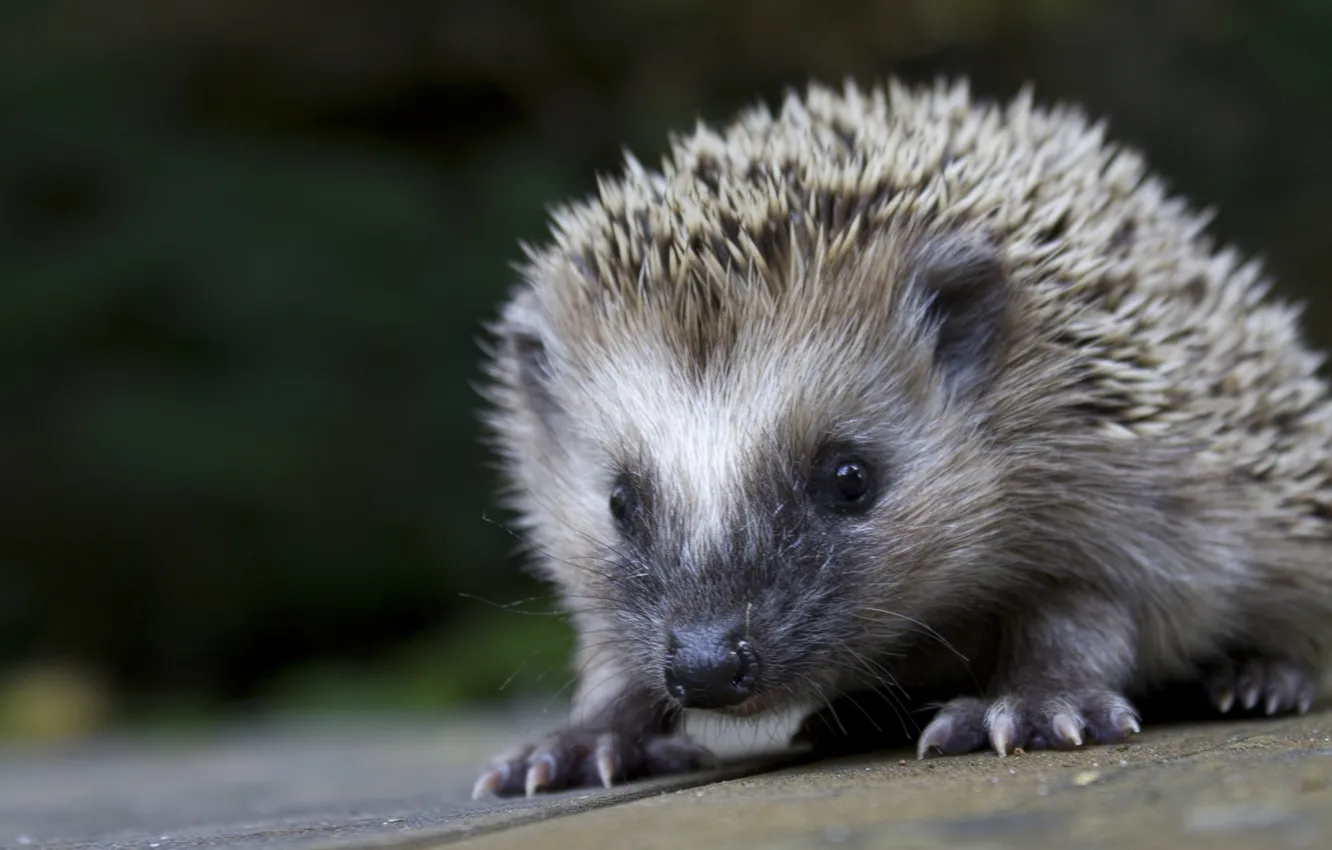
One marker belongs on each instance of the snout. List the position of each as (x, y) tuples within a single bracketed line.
[(710, 667)]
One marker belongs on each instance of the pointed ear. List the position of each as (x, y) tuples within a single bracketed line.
[(532, 372), (964, 290)]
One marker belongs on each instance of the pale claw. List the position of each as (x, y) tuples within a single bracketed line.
[(1067, 730), (608, 764), (1002, 732), (958, 727), (539, 773), (490, 782)]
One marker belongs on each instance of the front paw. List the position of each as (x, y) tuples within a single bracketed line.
[(1034, 721), (577, 758), (1280, 686)]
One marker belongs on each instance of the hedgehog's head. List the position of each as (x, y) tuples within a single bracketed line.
[(750, 483)]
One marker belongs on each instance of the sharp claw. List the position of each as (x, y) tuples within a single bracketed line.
[(539, 774), (1249, 697), (490, 782), (1067, 729), (1002, 732), (1124, 720), (1225, 700), (1273, 703), (607, 763), (1305, 700), (931, 737)]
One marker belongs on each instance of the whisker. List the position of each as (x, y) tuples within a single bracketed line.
[(524, 543), (891, 692), (927, 630)]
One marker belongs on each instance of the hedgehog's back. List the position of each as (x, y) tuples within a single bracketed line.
[(1185, 342)]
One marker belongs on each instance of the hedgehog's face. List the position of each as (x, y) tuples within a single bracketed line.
[(760, 522)]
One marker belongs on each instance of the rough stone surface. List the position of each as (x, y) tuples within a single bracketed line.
[(1260, 784), (299, 784), (1225, 785)]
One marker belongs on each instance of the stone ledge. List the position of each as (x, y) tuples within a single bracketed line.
[(406, 786)]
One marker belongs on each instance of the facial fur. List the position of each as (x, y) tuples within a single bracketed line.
[(730, 454)]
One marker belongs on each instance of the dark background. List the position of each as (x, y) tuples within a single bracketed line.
[(246, 247)]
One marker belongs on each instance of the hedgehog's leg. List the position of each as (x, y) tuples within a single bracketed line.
[(1253, 680), (1059, 683), (616, 733)]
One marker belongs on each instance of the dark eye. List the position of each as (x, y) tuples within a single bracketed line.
[(622, 499), (851, 481), (847, 484)]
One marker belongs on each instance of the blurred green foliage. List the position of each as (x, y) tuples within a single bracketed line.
[(246, 250)]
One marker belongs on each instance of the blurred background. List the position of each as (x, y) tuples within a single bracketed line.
[(246, 248)]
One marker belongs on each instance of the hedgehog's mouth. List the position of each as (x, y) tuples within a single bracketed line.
[(760, 703)]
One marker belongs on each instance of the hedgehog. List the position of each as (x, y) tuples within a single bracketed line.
[(897, 399)]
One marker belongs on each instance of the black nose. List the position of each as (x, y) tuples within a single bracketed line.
[(710, 668)]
